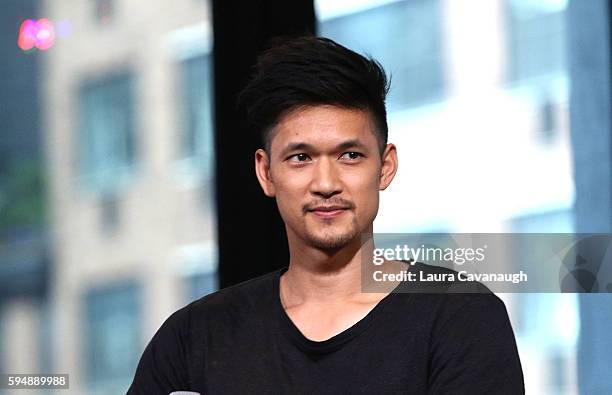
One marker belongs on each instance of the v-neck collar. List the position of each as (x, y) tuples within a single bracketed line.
[(325, 346)]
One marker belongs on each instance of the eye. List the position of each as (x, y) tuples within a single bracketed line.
[(351, 155), (298, 158)]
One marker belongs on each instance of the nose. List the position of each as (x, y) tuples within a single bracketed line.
[(325, 180)]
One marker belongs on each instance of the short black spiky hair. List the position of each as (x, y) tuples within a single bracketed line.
[(310, 70)]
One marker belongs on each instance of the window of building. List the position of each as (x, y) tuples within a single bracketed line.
[(112, 336), (405, 36), (197, 142), (107, 136), (536, 38)]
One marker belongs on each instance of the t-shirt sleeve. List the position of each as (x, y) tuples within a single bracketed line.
[(163, 366), (474, 351)]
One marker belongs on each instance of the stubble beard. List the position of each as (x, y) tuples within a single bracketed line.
[(330, 239)]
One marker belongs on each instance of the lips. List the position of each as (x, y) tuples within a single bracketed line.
[(328, 211)]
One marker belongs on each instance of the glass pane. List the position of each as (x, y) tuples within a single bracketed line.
[(535, 27), (198, 143), (405, 36), (113, 333), (107, 140)]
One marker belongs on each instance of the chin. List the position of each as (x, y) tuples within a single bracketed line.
[(332, 241), (332, 235)]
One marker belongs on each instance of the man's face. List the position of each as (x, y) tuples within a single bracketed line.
[(325, 170)]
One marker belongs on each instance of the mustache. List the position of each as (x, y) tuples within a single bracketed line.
[(346, 204)]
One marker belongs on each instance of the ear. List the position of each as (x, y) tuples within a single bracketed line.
[(389, 166), (262, 170)]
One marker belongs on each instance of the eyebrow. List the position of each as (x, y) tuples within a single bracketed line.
[(301, 146)]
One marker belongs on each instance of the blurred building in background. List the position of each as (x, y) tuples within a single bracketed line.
[(479, 111), (126, 99), (129, 143), (24, 253)]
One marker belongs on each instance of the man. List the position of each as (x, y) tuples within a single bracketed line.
[(309, 328)]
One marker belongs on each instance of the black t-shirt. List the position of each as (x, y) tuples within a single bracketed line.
[(239, 340)]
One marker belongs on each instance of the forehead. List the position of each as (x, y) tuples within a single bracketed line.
[(323, 125)]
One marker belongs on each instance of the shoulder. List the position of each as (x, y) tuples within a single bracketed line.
[(449, 300), (249, 295), (472, 347), (471, 343), (173, 359)]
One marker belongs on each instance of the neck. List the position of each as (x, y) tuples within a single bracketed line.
[(317, 276)]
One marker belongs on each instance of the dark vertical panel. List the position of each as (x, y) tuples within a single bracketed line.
[(24, 263), (19, 86), (251, 234), (591, 114)]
